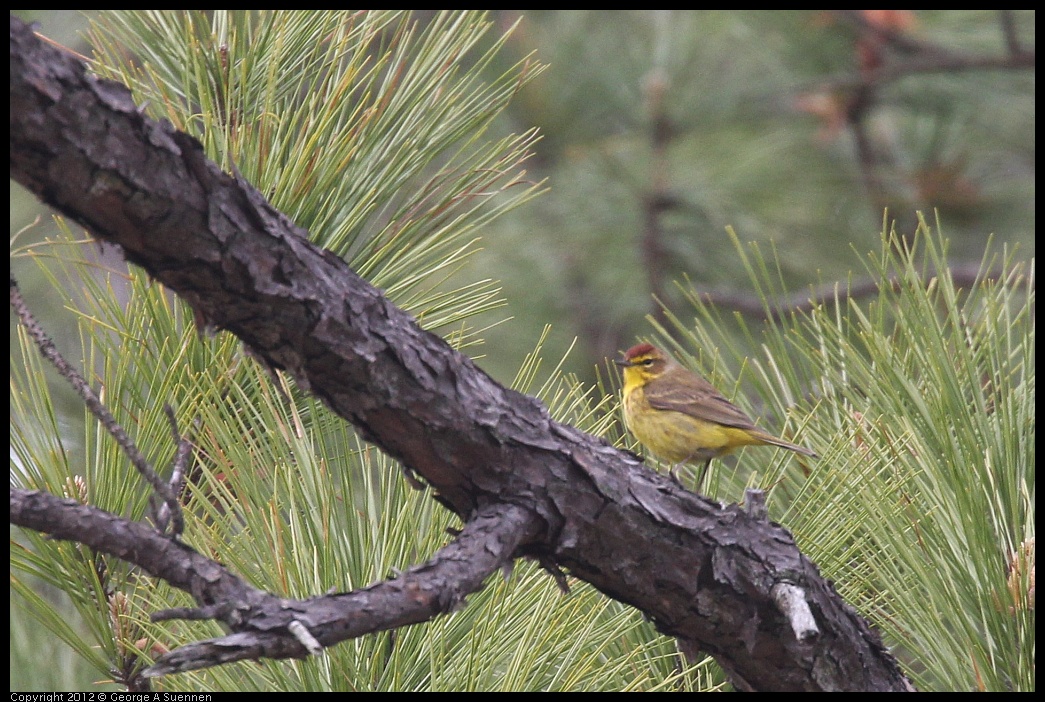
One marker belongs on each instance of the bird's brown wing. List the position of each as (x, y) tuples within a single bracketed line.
[(700, 400)]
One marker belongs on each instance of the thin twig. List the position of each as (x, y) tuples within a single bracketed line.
[(920, 57), (1008, 30), (753, 306), (49, 351), (178, 473)]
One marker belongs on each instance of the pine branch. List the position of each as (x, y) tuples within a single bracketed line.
[(264, 622)]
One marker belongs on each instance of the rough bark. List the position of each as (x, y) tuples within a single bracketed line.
[(702, 572)]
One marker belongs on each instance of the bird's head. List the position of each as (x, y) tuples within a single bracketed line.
[(642, 363)]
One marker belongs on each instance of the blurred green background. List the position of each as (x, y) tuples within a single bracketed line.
[(662, 128)]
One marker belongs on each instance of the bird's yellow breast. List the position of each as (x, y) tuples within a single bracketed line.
[(674, 436)]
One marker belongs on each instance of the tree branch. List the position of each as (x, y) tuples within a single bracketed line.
[(265, 623), (963, 275), (702, 572), (920, 57)]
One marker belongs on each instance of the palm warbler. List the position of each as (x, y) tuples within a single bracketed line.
[(681, 417)]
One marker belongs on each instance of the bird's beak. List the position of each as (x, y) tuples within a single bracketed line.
[(622, 362)]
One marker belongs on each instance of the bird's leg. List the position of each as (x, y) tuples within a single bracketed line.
[(675, 476), (703, 472)]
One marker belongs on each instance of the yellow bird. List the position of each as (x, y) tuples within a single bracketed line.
[(682, 418)]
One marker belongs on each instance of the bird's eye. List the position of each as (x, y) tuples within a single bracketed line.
[(647, 362)]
